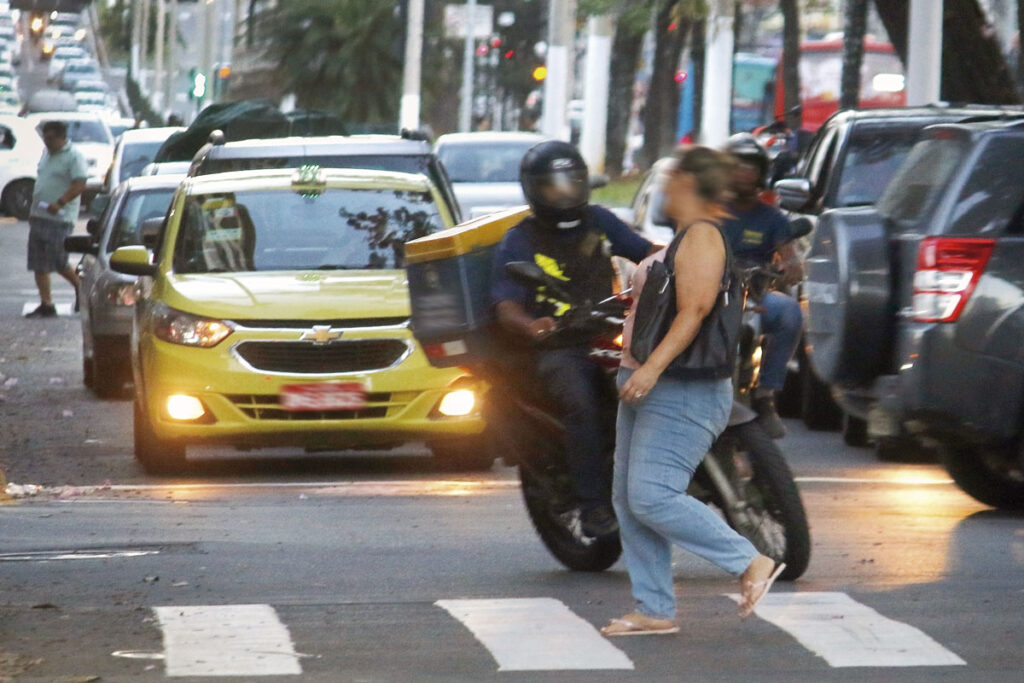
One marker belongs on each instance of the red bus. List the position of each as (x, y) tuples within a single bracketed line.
[(821, 72)]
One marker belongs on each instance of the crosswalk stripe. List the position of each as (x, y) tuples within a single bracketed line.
[(63, 307), (226, 640), (847, 634), (536, 634)]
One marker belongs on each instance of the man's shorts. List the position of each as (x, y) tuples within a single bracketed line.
[(46, 244)]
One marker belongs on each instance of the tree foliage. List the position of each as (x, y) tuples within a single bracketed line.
[(337, 55)]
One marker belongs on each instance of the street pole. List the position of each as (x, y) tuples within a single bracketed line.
[(409, 114), (595, 92), (172, 60), (717, 96), (143, 46), (136, 40), (466, 110), (158, 82), (924, 52), (561, 32)]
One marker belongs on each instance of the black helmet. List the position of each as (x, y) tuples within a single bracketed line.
[(555, 182), (745, 147)]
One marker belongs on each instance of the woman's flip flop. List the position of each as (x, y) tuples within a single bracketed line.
[(636, 624), (763, 587)]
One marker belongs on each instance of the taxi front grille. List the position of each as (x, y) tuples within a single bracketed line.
[(307, 358), (268, 407)]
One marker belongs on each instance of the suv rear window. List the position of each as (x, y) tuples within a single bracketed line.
[(873, 155), (921, 179), (994, 189)]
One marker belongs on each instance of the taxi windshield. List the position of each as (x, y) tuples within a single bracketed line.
[(287, 229)]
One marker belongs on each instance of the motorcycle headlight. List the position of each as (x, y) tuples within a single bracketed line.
[(178, 327)]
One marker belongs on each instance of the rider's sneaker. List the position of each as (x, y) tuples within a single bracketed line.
[(767, 417), (598, 521)]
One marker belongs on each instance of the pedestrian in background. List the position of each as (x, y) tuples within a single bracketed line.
[(670, 415), (60, 180)]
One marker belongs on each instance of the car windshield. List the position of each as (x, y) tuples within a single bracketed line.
[(136, 156), (270, 230), (88, 131), (491, 162), (873, 156), (137, 208), (921, 179)]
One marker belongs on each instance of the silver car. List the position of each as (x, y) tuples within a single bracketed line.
[(484, 168), (134, 216)]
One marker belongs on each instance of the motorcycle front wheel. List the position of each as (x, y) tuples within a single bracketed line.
[(549, 503), (768, 509)]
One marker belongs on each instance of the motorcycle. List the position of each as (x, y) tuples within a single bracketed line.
[(744, 475)]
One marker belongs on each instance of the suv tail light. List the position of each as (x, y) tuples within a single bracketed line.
[(948, 269)]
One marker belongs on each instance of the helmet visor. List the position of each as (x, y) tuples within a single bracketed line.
[(563, 189)]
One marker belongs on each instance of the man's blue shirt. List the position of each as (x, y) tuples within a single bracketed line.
[(517, 245), (754, 235)]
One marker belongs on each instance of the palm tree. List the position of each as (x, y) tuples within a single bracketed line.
[(853, 52), (337, 55)]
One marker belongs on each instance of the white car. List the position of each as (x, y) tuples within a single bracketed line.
[(484, 168), (135, 150), (61, 56), (90, 134), (21, 148)]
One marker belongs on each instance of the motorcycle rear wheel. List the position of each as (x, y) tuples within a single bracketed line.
[(549, 504), (773, 516)]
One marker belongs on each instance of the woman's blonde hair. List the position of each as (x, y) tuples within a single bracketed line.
[(708, 166)]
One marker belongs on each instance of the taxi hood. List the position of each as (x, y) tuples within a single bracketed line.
[(291, 295)]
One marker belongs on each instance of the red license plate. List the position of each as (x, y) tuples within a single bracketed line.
[(326, 396)]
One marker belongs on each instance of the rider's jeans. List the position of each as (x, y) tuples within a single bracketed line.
[(782, 322), (575, 383), (659, 443)]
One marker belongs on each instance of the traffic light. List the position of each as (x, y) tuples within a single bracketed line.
[(197, 84)]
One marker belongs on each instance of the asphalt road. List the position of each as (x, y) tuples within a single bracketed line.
[(379, 567)]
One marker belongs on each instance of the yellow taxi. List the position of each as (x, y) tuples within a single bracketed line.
[(274, 311)]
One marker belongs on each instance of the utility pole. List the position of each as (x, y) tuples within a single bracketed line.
[(172, 60), (134, 65), (144, 46), (924, 52), (466, 110), (853, 52), (409, 114), (595, 91), (561, 33), (717, 97), (159, 75)]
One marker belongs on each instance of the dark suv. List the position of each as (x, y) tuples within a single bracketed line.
[(406, 154), (916, 306), (847, 165)]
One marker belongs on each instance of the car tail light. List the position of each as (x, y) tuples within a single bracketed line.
[(948, 269)]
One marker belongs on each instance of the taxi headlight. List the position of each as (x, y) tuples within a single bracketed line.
[(178, 327), (184, 407), (457, 403)]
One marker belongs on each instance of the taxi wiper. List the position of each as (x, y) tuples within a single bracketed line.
[(337, 266)]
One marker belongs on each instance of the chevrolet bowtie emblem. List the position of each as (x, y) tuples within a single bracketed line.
[(320, 334)]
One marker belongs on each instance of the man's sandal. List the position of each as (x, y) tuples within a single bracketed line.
[(636, 624)]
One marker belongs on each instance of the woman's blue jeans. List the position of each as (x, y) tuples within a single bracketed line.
[(660, 442)]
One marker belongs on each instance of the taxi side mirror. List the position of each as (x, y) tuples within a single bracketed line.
[(133, 260)]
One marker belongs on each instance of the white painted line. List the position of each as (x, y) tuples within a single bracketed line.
[(875, 480), (226, 640), (536, 634), (847, 634)]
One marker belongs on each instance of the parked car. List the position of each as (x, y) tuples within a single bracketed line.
[(848, 164), (21, 148), (50, 100), (135, 150), (916, 306), (276, 312), (90, 134), (106, 297), (380, 152), (484, 168)]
